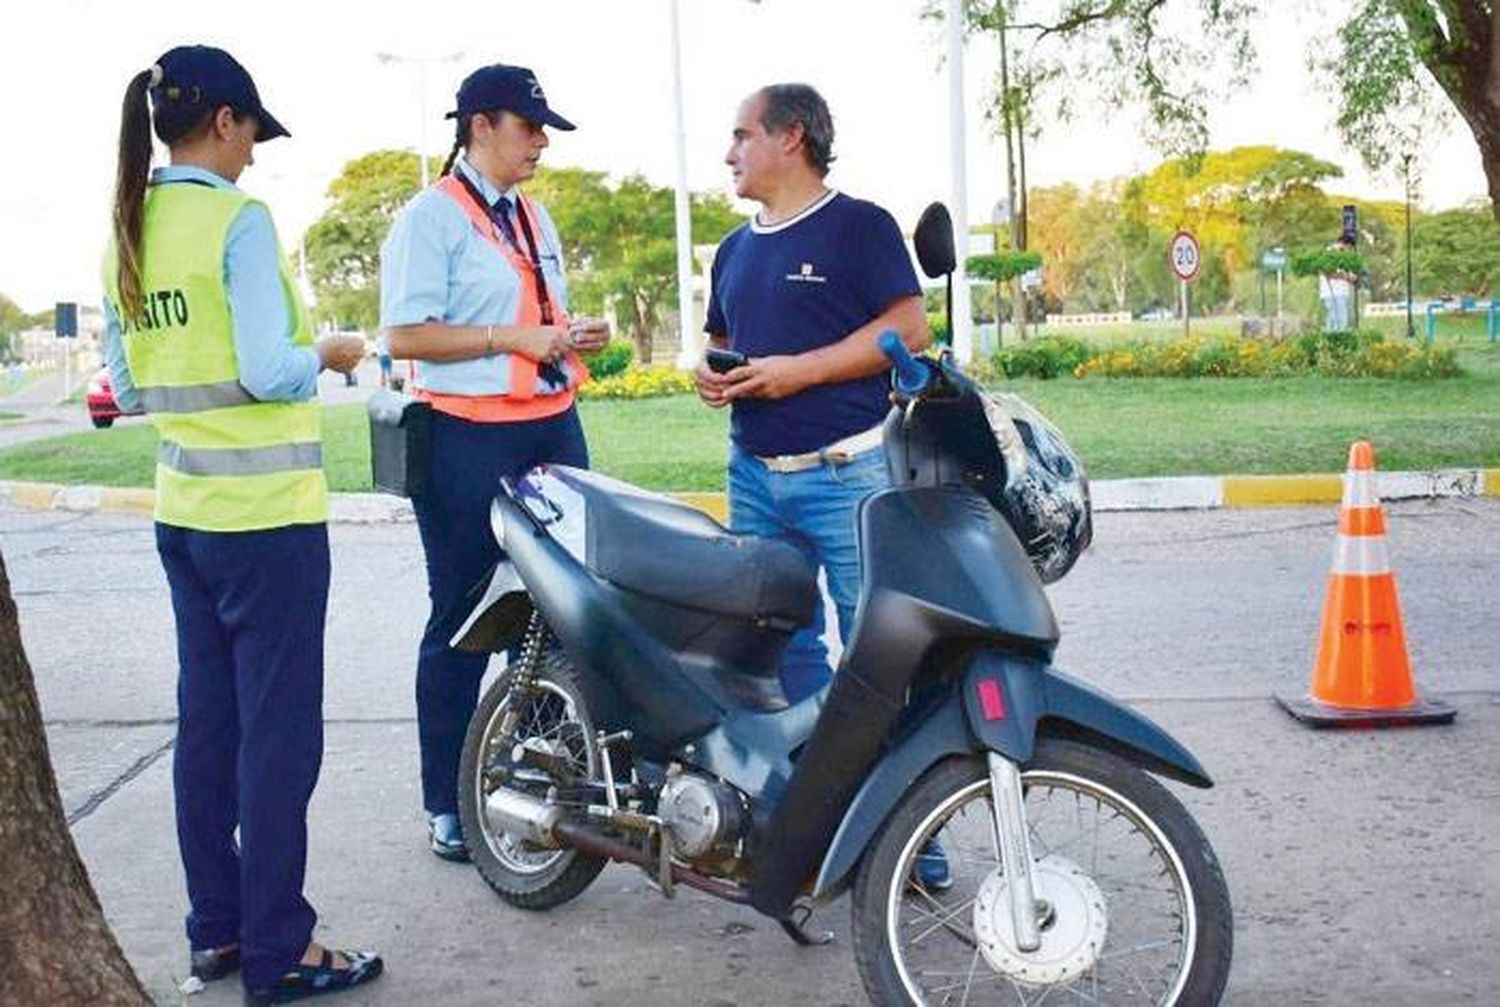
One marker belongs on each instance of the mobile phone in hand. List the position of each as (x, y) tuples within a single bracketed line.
[(722, 361)]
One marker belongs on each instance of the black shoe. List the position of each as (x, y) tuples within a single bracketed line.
[(214, 963), (446, 838), (305, 981)]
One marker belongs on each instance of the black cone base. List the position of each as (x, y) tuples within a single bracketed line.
[(1424, 711)]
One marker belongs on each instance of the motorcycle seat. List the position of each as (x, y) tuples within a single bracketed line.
[(654, 545)]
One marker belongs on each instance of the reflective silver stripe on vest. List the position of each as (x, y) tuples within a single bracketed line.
[(239, 461), (195, 398)]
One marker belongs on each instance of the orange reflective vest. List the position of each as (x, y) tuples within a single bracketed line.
[(520, 401)]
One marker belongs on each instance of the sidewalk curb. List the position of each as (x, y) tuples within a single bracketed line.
[(1167, 493)]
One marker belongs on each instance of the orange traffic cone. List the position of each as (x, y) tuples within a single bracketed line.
[(1362, 677)]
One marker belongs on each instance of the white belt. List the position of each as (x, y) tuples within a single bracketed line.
[(837, 453)]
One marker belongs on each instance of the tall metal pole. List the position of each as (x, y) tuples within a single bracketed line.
[(688, 338), (963, 322), (422, 114), (420, 62), (1411, 328)]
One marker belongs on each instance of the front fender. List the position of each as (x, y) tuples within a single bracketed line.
[(1002, 704)]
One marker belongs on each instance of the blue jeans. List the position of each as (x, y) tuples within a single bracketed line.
[(815, 510), (465, 464), (250, 610)]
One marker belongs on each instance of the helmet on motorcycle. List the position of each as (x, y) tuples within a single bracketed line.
[(1045, 498)]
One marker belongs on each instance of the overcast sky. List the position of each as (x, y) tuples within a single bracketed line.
[(605, 64)]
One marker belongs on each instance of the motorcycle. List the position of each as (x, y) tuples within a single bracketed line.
[(994, 818)]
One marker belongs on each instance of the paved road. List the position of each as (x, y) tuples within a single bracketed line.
[(43, 416), (1364, 867)]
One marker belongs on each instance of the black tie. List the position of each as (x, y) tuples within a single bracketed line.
[(507, 223)]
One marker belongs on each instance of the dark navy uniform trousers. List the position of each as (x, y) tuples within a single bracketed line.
[(250, 610), (466, 463)]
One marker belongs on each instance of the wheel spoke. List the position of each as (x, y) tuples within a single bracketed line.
[(1078, 829)]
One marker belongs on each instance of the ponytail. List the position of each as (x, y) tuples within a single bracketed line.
[(452, 156), (461, 136), (130, 190)]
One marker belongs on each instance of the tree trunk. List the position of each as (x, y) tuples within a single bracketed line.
[(640, 331), (55, 946), (1466, 65)]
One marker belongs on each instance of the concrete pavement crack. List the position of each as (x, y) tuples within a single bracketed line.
[(136, 769)]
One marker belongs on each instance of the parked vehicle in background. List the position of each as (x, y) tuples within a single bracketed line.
[(100, 397)]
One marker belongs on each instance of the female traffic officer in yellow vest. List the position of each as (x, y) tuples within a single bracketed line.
[(472, 289), (206, 331)]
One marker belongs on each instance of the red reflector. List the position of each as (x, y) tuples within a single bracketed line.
[(991, 701)]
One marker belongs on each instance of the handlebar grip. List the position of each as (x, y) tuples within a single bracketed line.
[(910, 377)]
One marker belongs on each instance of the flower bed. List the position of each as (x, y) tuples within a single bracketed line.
[(1329, 354), (639, 383)]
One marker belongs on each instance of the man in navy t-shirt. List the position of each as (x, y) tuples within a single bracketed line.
[(804, 291)]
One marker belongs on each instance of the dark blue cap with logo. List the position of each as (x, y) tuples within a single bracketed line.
[(512, 88), (200, 75)]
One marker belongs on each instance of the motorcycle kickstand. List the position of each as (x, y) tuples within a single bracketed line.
[(795, 925)]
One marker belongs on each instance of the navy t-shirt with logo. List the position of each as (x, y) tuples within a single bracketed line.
[(795, 286)]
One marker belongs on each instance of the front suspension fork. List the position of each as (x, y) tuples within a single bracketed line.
[(1015, 851)]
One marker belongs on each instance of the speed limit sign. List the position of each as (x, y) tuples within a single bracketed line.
[(1183, 255)]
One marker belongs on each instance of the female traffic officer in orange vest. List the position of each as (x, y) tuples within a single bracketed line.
[(472, 289), (204, 328)]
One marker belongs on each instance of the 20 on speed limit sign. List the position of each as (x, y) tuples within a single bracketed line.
[(1183, 255)]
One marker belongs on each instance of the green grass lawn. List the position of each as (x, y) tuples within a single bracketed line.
[(1120, 427), (6, 417)]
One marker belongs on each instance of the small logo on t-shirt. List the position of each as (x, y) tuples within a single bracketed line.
[(806, 275)]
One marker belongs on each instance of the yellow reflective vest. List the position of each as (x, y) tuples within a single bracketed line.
[(227, 461)]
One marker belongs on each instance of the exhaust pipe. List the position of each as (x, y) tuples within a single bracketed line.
[(535, 821), (522, 816)]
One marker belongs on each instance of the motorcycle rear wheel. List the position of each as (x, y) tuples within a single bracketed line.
[(553, 714), (1140, 910)]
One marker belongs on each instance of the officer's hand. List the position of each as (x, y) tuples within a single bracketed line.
[(340, 353), (711, 386), (766, 378), (544, 343), (587, 334)]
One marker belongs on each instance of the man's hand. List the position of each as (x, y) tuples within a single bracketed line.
[(711, 386), (588, 333), (340, 353), (767, 378)]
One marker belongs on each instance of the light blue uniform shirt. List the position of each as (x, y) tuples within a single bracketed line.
[(271, 368), (436, 267)]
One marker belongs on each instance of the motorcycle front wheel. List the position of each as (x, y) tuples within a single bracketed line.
[(548, 713), (1137, 911)]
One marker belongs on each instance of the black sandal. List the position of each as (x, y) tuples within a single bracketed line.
[(303, 981), (214, 963)]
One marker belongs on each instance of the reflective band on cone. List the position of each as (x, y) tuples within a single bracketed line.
[(1362, 676)]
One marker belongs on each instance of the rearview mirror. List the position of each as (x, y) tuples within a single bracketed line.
[(933, 240)]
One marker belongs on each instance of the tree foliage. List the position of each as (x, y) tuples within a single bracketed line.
[(1002, 266), (618, 241), (343, 245), (1457, 252), (1397, 68), (1399, 61), (1103, 248)]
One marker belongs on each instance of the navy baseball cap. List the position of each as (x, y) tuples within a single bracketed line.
[(203, 75), (512, 88)]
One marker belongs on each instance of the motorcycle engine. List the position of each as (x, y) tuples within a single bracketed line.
[(701, 814)]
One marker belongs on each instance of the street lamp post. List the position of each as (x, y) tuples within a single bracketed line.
[(1411, 329), (962, 335), (689, 338), (420, 62), (687, 345)]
